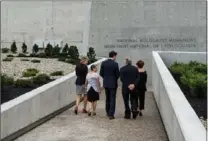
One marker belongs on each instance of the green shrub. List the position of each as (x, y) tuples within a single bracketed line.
[(91, 55), (8, 59), (6, 80), (5, 50), (72, 61), (177, 69), (192, 76), (196, 82), (35, 49), (63, 55), (201, 68), (62, 59), (22, 55), (42, 55), (193, 63), (10, 55), (25, 60), (24, 48), (30, 72), (41, 79), (35, 61), (13, 47), (33, 55), (57, 73), (49, 50), (73, 52), (23, 83), (65, 49)]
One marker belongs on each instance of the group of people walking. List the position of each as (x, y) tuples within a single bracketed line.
[(133, 86)]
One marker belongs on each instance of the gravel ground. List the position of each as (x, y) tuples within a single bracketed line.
[(16, 66)]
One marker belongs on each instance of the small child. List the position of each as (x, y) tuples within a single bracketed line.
[(93, 89)]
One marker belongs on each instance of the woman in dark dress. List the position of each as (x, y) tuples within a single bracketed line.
[(141, 85)]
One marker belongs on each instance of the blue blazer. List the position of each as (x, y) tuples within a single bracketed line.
[(109, 71)]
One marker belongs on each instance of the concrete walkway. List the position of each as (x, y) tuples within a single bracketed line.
[(70, 127)]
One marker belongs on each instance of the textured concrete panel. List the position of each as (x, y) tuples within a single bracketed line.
[(151, 25), (175, 110), (45, 20)]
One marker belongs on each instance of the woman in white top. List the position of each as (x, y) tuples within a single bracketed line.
[(93, 89)]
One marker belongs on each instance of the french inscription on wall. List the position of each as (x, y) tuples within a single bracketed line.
[(154, 43)]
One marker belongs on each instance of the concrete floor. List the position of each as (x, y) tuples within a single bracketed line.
[(70, 127)]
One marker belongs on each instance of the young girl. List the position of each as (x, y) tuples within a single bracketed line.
[(93, 89)]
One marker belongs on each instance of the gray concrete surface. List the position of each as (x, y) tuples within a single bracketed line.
[(70, 127), (26, 109), (176, 112), (184, 57)]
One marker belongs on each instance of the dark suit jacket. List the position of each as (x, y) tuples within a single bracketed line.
[(81, 73), (128, 75), (109, 71)]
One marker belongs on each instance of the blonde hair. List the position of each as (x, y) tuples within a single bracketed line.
[(83, 59)]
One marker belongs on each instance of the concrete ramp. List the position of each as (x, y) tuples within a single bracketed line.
[(70, 127)]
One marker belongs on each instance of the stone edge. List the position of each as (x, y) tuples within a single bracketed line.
[(192, 129)]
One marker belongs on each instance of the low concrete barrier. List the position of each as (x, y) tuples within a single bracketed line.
[(169, 57), (33, 106), (179, 118)]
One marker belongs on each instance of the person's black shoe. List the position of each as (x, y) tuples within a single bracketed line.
[(111, 117), (76, 110), (89, 113), (140, 114), (127, 117), (135, 114)]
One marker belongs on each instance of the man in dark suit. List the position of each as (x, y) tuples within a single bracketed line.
[(109, 71), (129, 75)]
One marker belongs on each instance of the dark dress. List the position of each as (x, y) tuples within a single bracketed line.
[(93, 88), (141, 88), (92, 95)]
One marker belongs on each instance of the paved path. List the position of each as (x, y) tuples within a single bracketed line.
[(70, 127)]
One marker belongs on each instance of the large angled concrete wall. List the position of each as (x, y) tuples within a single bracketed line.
[(41, 20), (35, 105), (179, 118), (143, 22)]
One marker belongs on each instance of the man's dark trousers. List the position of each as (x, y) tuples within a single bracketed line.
[(110, 101), (132, 94)]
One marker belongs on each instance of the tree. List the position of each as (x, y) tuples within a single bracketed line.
[(24, 48), (73, 52), (91, 55), (35, 48), (56, 50), (13, 47), (65, 49), (48, 50)]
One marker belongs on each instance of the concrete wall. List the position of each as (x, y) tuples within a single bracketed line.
[(180, 120), (45, 20), (150, 25), (147, 25), (185, 57), (34, 105)]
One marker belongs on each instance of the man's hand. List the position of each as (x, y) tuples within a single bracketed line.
[(131, 86)]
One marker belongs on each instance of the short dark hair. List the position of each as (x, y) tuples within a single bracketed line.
[(140, 64), (92, 67), (112, 54)]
